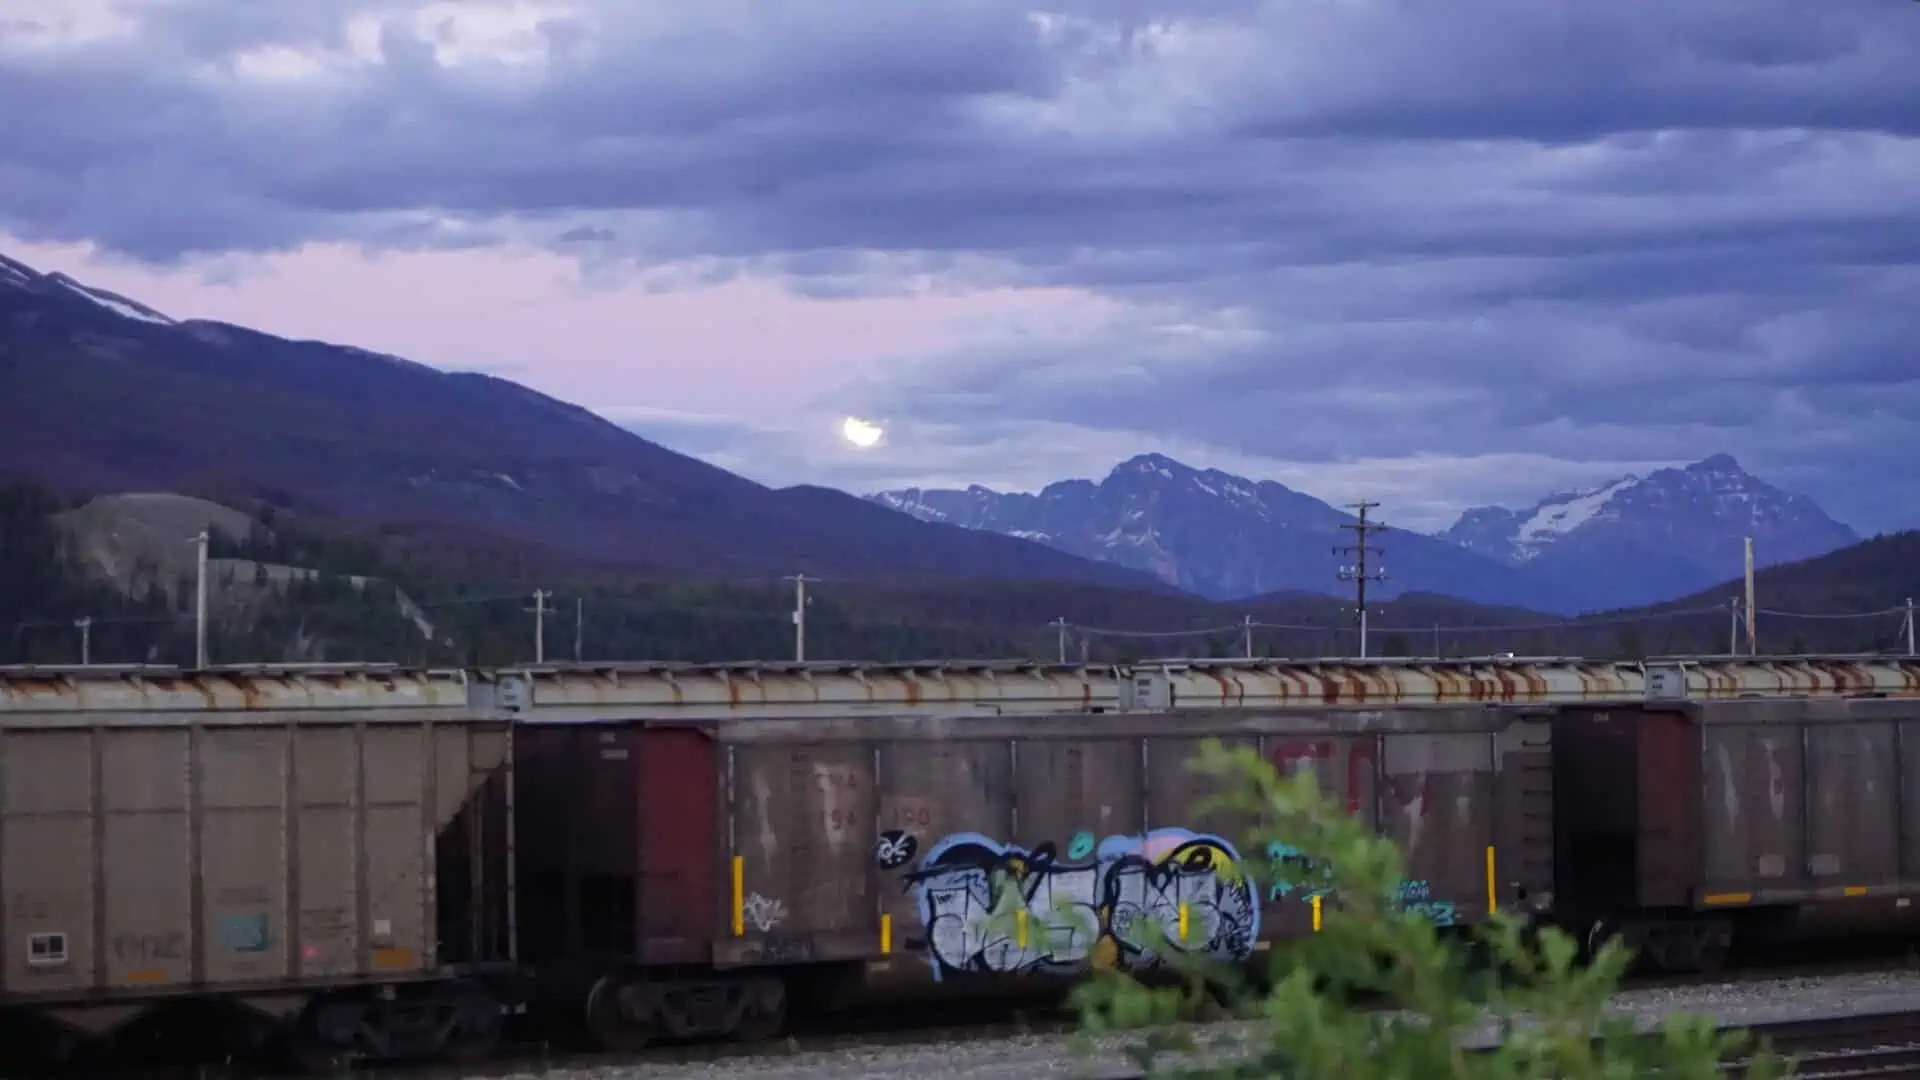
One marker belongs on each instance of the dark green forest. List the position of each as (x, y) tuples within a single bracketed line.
[(415, 611)]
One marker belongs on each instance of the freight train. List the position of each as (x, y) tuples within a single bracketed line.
[(363, 860)]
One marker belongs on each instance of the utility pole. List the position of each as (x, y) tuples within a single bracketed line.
[(1733, 627), (1910, 649), (539, 610), (1358, 572), (1246, 636), (579, 625), (800, 616), (1060, 624), (1753, 630), (85, 626), (200, 600), (1436, 641)]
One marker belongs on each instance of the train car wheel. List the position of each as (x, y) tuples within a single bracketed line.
[(1715, 938), (763, 1010), (618, 1016), (311, 1052), (475, 1029)]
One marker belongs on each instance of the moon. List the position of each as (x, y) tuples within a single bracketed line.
[(861, 434)]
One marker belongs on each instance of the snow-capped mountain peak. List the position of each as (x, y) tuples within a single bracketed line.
[(1667, 533), (1629, 540), (1207, 531)]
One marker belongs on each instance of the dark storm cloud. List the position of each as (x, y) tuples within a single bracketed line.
[(1624, 231)]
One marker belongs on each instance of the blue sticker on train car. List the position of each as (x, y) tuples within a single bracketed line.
[(248, 933)]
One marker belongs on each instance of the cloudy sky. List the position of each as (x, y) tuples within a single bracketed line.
[(1437, 252)]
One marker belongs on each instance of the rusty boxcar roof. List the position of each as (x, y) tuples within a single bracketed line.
[(35, 694), (639, 691), (692, 691)]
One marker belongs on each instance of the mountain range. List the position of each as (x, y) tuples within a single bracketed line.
[(1641, 539), (1631, 541), (102, 394)]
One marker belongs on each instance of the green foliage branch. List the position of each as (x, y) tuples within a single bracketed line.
[(1379, 993)]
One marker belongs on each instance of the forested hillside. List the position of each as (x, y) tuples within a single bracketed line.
[(44, 591), (300, 589)]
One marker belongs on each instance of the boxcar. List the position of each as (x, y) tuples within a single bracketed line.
[(1685, 826), (315, 853), (687, 878)]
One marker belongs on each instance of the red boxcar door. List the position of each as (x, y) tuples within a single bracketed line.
[(1669, 795), (678, 805)]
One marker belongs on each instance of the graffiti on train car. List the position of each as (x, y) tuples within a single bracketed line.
[(1297, 876), (987, 906), (1294, 874), (1417, 896)]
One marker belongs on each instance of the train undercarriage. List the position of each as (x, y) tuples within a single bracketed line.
[(628, 1010), (456, 1021)]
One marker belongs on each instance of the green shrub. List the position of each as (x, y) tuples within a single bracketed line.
[(1315, 1017)]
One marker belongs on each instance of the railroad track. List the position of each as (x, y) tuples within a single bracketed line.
[(1880, 1046), (1869, 1047), (914, 1027), (1874, 1046)]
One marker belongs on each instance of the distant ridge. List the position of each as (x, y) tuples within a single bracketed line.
[(100, 393)]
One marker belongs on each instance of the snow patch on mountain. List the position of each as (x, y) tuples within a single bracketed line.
[(114, 302), (15, 273), (1558, 515)]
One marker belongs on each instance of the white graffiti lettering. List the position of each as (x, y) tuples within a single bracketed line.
[(765, 914), (993, 907)]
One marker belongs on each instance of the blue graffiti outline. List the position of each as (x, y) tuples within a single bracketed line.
[(1412, 894), (1280, 853), (1105, 854)]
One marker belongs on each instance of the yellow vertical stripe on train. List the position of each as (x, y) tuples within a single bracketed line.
[(1020, 928), (886, 934), (739, 896), (1316, 914), (1493, 888), (1854, 890), (1183, 920)]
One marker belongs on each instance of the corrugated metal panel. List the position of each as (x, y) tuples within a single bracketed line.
[(1754, 812), (111, 695), (186, 855), (1805, 798), (1523, 816), (860, 837), (627, 692)]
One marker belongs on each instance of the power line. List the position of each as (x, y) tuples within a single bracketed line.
[(1568, 625), (1358, 573), (200, 599), (799, 616), (539, 610)]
